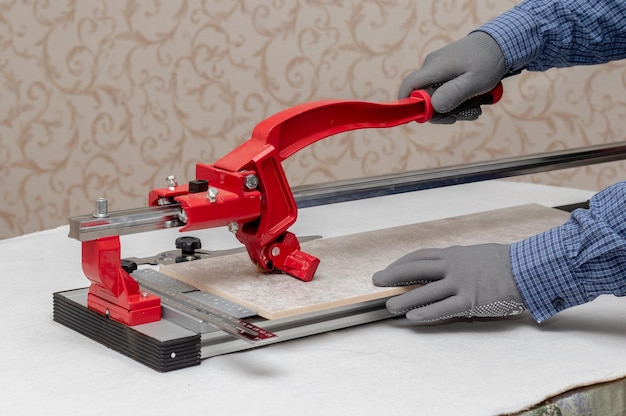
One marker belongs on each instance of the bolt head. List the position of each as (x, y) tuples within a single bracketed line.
[(212, 194), (102, 208), (233, 227), (252, 181), (171, 182)]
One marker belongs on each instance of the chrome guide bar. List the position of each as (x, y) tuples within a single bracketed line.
[(131, 221), (353, 189)]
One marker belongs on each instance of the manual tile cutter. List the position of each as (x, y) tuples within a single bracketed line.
[(247, 191)]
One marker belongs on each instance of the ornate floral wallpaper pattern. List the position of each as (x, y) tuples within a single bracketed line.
[(108, 98)]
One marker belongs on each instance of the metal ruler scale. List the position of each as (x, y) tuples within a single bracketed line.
[(172, 296)]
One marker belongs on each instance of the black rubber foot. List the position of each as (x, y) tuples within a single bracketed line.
[(159, 355)]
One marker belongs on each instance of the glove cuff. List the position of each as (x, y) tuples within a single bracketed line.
[(488, 44)]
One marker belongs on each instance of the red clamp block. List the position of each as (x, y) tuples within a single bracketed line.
[(113, 292)]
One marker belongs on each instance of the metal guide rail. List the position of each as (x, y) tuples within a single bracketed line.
[(361, 188)]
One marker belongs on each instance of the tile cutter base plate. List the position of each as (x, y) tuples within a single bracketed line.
[(161, 345), (178, 340)]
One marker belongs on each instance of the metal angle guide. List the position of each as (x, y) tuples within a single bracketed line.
[(204, 307)]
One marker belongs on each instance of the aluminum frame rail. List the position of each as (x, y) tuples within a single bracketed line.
[(353, 189)]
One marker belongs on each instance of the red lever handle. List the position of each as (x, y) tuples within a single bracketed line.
[(297, 127), (264, 213)]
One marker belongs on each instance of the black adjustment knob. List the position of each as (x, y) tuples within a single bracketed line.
[(129, 266), (188, 246), (198, 185)]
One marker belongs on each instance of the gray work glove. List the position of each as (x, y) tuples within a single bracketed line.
[(459, 282), (468, 67)]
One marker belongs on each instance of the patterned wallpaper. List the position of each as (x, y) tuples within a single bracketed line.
[(108, 98)]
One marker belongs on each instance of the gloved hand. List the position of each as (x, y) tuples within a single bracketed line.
[(468, 67), (459, 282)]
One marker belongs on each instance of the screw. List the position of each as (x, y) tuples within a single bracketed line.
[(252, 181), (233, 227), (211, 195), (275, 251), (102, 208), (171, 182)]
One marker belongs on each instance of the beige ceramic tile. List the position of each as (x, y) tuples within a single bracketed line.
[(347, 263)]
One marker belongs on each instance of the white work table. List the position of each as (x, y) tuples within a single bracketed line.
[(388, 367)]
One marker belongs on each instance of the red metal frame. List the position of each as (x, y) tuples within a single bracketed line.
[(113, 292), (263, 213)]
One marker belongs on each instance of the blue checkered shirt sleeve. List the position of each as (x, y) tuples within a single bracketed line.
[(576, 262), (541, 34)]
